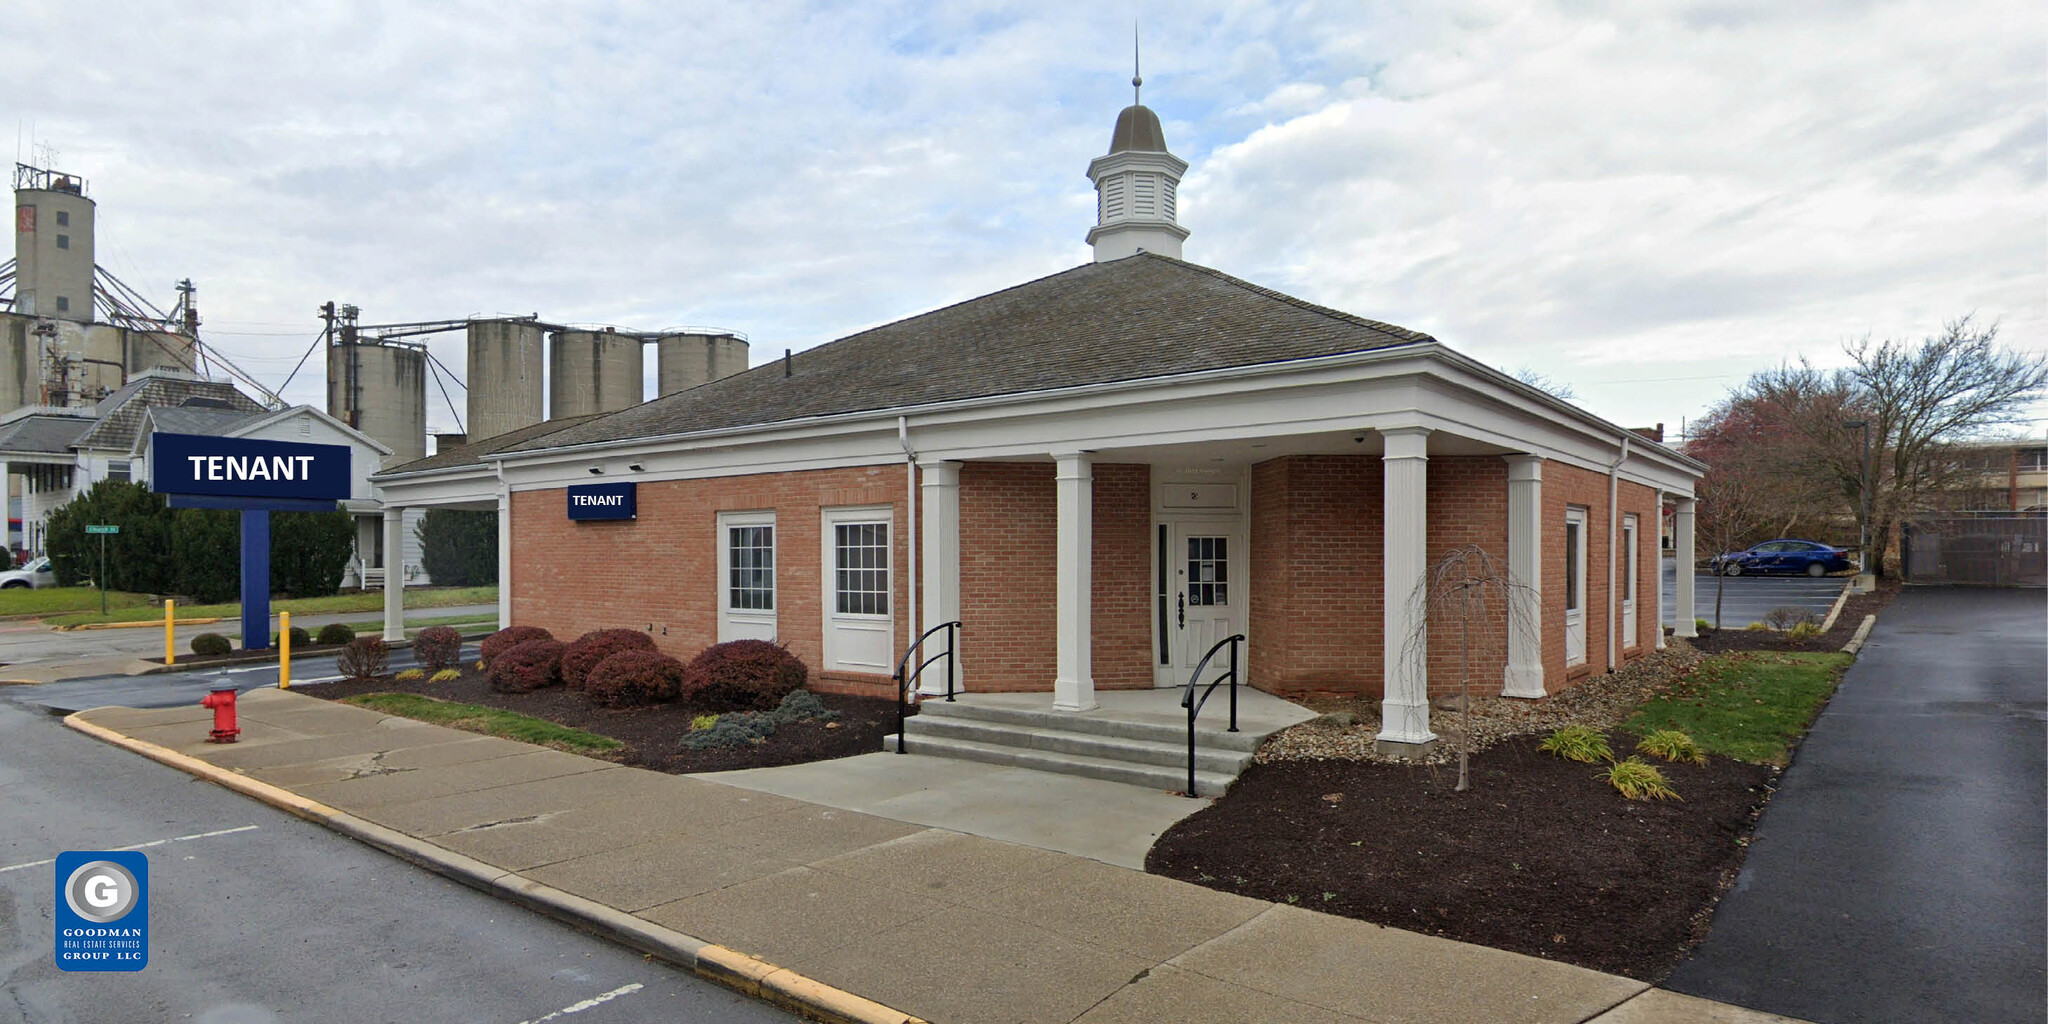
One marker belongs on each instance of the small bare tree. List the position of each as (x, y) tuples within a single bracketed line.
[(1468, 600)]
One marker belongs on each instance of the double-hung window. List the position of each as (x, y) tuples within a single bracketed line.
[(746, 576)]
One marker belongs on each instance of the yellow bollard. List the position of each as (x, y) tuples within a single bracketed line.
[(284, 650), (170, 632)]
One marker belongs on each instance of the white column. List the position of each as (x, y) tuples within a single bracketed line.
[(1657, 589), (1404, 711), (941, 543), (1681, 526), (1524, 674), (1073, 688), (504, 556), (394, 574)]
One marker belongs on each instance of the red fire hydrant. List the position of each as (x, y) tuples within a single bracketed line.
[(222, 701)]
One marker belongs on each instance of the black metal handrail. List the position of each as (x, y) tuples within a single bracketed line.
[(903, 679), (1194, 706)]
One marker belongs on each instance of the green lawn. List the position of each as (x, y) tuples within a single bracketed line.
[(490, 721), (462, 622), (1750, 706), (351, 601), (16, 601)]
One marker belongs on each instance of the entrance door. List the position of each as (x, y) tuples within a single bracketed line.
[(859, 627), (1628, 581), (1200, 598), (1575, 586)]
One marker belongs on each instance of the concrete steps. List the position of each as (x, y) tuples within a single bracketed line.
[(1152, 754)]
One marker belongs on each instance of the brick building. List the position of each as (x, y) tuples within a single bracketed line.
[(1100, 473)]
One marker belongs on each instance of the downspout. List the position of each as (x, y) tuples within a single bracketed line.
[(1613, 549), (910, 524)]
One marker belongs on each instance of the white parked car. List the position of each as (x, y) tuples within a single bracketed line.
[(34, 574)]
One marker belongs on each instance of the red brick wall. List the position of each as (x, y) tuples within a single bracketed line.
[(1468, 506), (660, 570), (1565, 485), (1009, 522)]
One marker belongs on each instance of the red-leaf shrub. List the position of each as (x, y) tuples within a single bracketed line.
[(437, 647), (595, 646), (634, 677), (363, 658), (506, 639), (741, 675), (527, 666)]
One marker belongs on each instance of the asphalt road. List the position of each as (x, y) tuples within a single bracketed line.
[(256, 916), (1900, 873), (24, 641), (1748, 599), (173, 689)]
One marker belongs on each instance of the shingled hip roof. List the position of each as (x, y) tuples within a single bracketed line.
[(1130, 319)]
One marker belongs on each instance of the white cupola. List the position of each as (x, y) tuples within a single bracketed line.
[(1136, 185)]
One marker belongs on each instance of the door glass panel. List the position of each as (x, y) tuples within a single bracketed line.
[(1165, 640), (861, 557), (1571, 566), (1208, 571)]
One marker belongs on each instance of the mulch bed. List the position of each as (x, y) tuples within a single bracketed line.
[(1539, 856), (653, 735), (1721, 641)]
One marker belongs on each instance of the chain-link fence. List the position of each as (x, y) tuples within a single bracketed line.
[(2008, 550)]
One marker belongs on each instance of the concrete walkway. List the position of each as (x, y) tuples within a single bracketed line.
[(1900, 873), (831, 905)]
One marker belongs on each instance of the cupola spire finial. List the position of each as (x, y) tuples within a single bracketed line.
[(1137, 80)]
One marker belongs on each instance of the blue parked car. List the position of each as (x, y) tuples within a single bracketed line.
[(1785, 556)]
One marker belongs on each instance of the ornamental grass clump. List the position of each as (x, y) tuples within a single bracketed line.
[(506, 639), (1578, 743), (437, 648), (597, 645), (1673, 746), (1803, 632), (744, 675), (1638, 779), (410, 675), (527, 667), (446, 675), (632, 678)]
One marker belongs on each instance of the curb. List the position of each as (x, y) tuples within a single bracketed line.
[(1835, 611), (1855, 643), (745, 974), (137, 624)]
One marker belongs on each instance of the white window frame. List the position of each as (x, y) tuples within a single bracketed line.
[(855, 641), (1631, 568), (1575, 586), (747, 623)]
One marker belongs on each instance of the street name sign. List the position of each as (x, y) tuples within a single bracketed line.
[(100, 528)]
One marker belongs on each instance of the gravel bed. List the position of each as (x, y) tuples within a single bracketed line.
[(1347, 726)]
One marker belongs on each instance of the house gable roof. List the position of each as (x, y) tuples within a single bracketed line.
[(472, 454), (43, 435), (120, 414), (1129, 319)]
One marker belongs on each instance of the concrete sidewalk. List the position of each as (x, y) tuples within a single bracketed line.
[(834, 908)]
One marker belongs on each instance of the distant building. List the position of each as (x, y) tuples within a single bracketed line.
[(2003, 476)]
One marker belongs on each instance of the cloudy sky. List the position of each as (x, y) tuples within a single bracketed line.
[(1641, 200)]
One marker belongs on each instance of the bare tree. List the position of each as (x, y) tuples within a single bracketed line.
[(1469, 599), (1544, 382)]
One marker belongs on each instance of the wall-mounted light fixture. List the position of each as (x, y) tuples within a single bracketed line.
[(637, 468), (597, 471)]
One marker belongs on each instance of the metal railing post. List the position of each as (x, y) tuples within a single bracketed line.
[(1233, 684), (902, 686)]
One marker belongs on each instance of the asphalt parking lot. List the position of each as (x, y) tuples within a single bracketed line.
[(1747, 599)]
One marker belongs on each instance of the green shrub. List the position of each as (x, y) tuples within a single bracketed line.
[(803, 706), (459, 547), (410, 674), (309, 551), (736, 729), (206, 644), (363, 658), (1804, 631), (528, 666), (1638, 779), (1702, 626), (300, 638), (446, 675), (335, 634), (437, 647), (597, 645), (1755, 627), (506, 639), (633, 677), (1672, 745), (742, 675), (1578, 743)]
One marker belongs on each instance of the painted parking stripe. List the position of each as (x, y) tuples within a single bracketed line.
[(142, 846), (586, 1004)]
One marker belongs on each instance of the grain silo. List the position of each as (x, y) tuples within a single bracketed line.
[(152, 349), (594, 370), (380, 388), (685, 360), (504, 376)]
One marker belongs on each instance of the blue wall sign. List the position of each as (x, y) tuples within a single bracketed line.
[(603, 501), (238, 467)]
